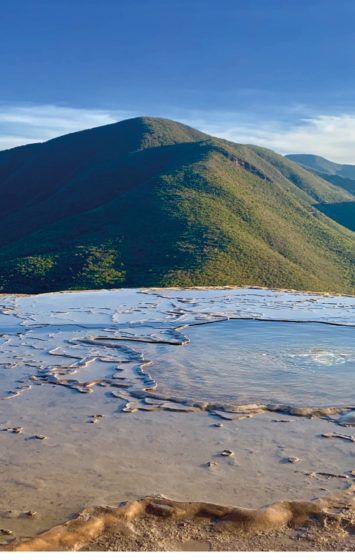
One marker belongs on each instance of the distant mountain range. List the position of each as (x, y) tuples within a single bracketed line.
[(339, 174), (322, 165), (152, 202)]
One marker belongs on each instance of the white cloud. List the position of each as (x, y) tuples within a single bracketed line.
[(330, 136), (7, 142), (26, 124)]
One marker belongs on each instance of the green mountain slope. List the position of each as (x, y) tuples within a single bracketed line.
[(151, 202)]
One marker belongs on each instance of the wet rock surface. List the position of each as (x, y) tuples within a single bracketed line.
[(137, 364)]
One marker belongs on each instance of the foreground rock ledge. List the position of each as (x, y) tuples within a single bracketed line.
[(163, 524)]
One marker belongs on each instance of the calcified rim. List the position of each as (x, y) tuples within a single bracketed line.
[(91, 522), (145, 289)]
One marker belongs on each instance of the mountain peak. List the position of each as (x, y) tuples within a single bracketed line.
[(162, 132), (131, 134)]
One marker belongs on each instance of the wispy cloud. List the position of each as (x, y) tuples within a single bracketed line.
[(34, 123), (331, 136), (7, 142)]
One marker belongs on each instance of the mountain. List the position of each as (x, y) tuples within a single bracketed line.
[(342, 175), (323, 165), (152, 202)]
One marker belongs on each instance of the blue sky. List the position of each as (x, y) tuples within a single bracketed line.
[(278, 73)]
